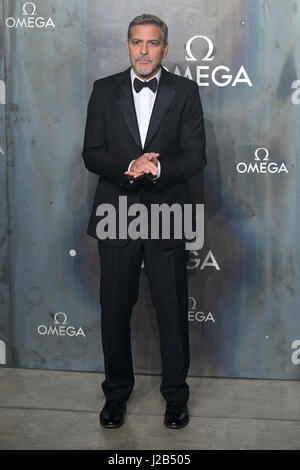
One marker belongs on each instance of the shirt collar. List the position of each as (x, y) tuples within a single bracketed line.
[(133, 76)]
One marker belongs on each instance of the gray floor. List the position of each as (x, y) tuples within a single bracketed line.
[(60, 410)]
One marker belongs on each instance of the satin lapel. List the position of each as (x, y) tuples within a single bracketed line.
[(126, 102), (165, 95)]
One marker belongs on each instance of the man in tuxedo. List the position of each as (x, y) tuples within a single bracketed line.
[(144, 137)]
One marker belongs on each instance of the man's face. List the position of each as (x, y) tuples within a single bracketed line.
[(146, 50)]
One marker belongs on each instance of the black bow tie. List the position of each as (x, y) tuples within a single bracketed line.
[(138, 84)]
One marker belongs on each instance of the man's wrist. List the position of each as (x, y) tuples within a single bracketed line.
[(131, 164), (131, 180), (154, 178)]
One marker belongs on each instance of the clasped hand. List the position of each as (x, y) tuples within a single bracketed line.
[(143, 165)]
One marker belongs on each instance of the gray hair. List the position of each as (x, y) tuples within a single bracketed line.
[(150, 19)]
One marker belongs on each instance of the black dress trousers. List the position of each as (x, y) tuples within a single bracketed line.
[(119, 282)]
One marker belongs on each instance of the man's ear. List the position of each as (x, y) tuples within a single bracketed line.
[(127, 47), (165, 50)]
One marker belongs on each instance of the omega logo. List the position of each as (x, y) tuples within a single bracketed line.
[(204, 73), (29, 20), (193, 314), (59, 328), (261, 155)]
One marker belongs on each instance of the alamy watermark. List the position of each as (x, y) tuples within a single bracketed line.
[(2, 352), (162, 218)]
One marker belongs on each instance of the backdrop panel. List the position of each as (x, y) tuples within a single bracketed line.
[(5, 345), (244, 55)]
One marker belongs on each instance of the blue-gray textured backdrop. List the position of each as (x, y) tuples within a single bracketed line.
[(244, 54)]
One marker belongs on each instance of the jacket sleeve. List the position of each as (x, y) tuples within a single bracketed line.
[(96, 158), (191, 158)]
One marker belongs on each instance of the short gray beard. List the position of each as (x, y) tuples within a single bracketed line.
[(145, 74)]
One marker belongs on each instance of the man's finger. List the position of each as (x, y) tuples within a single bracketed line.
[(134, 174), (152, 155), (145, 167)]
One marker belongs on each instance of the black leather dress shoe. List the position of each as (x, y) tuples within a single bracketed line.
[(112, 414), (177, 415)]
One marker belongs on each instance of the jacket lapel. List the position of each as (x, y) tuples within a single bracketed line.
[(126, 102), (165, 95)]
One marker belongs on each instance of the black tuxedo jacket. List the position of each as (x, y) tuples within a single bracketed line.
[(112, 141)]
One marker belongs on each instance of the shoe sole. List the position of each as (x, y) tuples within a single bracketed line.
[(112, 426), (174, 426)]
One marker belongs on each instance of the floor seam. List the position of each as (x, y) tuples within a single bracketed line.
[(149, 414)]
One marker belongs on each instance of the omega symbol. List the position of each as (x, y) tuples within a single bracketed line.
[(64, 322), (266, 153), (208, 56), (193, 303), (25, 11)]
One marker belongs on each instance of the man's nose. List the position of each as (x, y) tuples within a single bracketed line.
[(144, 49)]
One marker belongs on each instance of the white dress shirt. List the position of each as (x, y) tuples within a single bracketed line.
[(144, 102)]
